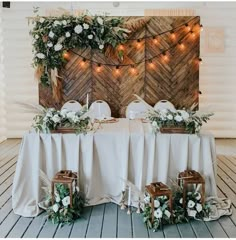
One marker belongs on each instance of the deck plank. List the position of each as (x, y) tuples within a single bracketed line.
[(200, 229), (5, 210), (186, 230), (63, 232), (216, 230), (139, 228), (110, 221), (171, 231), (48, 230), (124, 224)]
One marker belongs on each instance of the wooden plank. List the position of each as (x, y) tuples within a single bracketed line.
[(8, 224), (228, 163), (7, 174), (216, 229), (63, 232), (230, 183), (5, 210), (110, 221), (139, 227), (35, 226), (5, 185), (9, 164), (200, 229), (20, 227), (171, 231), (6, 150), (79, 228), (186, 230), (48, 230), (232, 159), (124, 224), (157, 234), (227, 170), (9, 154), (96, 221), (5, 196)]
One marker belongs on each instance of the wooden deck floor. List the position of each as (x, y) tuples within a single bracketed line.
[(107, 220)]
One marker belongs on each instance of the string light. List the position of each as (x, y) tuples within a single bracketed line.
[(187, 26), (181, 45), (155, 41), (133, 70), (151, 64), (99, 68), (121, 47), (201, 27), (117, 70), (172, 35), (138, 43), (66, 55), (82, 63), (165, 57), (200, 60), (193, 34)]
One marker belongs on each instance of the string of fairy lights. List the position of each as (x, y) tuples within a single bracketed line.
[(163, 53)]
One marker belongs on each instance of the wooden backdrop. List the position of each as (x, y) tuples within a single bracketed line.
[(175, 79)]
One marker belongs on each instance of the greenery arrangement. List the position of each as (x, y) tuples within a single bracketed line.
[(162, 216), (52, 119), (191, 121), (52, 36), (60, 211)]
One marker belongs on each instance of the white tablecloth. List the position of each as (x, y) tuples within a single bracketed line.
[(127, 149)]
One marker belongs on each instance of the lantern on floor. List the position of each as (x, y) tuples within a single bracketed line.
[(190, 177), (66, 177), (159, 189)]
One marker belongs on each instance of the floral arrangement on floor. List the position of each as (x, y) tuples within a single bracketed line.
[(60, 211), (162, 216), (191, 121), (52, 119)]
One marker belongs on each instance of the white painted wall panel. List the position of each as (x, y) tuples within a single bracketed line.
[(217, 74)]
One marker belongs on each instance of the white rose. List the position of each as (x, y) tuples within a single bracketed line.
[(100, 20), (41, 20), (40, 55), (66, 201), (64, 112), (49, 44), (56, 23), (146, 199), (77, 188), (101, 46), (55, 207), (67, 34), (58, 47), (198, 196), (64, 22), (167, 213), (86, 26), (192, 213), (181, 201), (36, 36), (56, 119), (170, 117), (191, 204), (199, 207), (90, 36), (58, 199), (51, 34), (71, 115), (184, 114), (49, 114), (158, 213), (154, 124), (178, 118), (78, 29), (156, 203), (75, 119)]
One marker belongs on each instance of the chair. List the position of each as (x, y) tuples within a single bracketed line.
[(72, 105), (136, 109), (164, 104), (100, 109)]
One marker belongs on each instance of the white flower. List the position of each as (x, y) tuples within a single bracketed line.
[(77, 188), (189, 193), (178, 118), (167, 213), (146, 199), (49, 114), (90, 36), (184, 114), (170, 117), (64, 22), (36, 36), (55, 207), (71, 115), (67, 34), (192, 213), (56, 23), (58, 47), (101, 46), (58, 198), (199, 207), (66, 201), (41, 20), (56, 119), (64, 112), (49, 44), (86, 26), (198, 196), (154, 124), (158, 213), (51, 34), (75, 119), (100, 20), (191, 204), (78, 29), (40, 55), (181, 201), (156, 203)]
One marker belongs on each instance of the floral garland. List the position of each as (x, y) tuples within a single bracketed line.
[(191, 121), (52, 36), (52, 119)]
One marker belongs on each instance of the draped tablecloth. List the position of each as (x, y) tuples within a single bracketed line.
[(126, 150)]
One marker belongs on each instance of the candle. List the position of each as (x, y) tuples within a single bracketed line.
[(129, 197), (87, 101)]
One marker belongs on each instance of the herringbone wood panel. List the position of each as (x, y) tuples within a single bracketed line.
[(175, 79)]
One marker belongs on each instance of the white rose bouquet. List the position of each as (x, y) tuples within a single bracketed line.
[(191, 121)]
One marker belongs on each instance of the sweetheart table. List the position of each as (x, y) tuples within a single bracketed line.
[(125, 150)]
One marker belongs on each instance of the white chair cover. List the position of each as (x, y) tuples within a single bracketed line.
[(72, 105), (164, 104), (100, 109), (136, 109)]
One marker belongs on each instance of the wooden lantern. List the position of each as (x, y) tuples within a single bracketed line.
[(191, 177), (159, 189), (64, 177)]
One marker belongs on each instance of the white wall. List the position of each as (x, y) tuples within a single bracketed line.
[(217, 74)]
